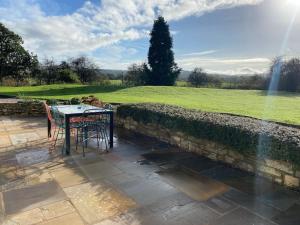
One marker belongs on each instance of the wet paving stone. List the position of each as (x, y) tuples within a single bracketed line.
[(147, 191), (197, 187), (241, 180), (241, 216), (252, 203), (254, 185), (136, 169), (139, 216), (99, 170), (220, 205), (162, 157), (32, 197), (122, 178), (197, 163), (193, 213), (225, 173), (163, 204), (281, 198), (289, 217)]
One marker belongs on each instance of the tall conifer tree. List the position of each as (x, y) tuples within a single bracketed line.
[(163, 69)]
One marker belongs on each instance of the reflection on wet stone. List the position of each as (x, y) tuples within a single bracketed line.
[(140, 181)]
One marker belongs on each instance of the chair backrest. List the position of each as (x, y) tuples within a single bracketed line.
[(59, 120), (92, 118), (48, 111)]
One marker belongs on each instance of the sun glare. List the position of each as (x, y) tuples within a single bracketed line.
[(294, 2)]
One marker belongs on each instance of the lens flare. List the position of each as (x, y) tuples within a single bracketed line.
[(294, 2)]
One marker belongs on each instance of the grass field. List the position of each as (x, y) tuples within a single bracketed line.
[(282, 107)]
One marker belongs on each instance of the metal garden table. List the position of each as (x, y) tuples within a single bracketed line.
[(69, 111)]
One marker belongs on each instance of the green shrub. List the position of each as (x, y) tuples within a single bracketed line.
[(246, 135), (51, 102), (75, 101)]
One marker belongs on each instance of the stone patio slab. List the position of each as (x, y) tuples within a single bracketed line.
[(30, 217), (166, 203), (193, 213), (220, 205), (252, 203), (24, 199), (57, 209), (281, 199), (147, 191), (4, 141), (67, 177), (28, 180), (241, 216), (22, 138), (289, 217), (33, 156), (98, 170), (73, 219), (97, 201), (198, 188)]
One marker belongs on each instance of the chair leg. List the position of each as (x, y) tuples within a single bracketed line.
[(83, 151), (53, 136), (76, 145), (56, 137), (98, 136), (103, 134)]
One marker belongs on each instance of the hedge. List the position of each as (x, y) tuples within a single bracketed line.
[(246, 135)]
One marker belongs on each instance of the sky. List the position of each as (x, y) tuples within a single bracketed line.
[(221, 36)]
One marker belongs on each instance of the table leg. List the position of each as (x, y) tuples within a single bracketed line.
[(49, 127), (67, 134), (85, 136), (111, 130)]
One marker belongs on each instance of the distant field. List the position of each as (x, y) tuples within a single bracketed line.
[(281, 106)]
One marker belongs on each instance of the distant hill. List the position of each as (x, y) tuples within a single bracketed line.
[(113, 72), (183, 75)]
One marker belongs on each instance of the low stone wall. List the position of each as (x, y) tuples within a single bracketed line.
[(277, 171), (22, 108)]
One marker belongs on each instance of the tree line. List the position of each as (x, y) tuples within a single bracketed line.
[(18, 65), (75, 70)]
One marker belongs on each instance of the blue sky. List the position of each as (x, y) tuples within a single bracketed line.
[(223, 36)]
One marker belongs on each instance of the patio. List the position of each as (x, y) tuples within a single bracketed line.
[(140, 181)]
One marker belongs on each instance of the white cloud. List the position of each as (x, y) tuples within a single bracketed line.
[(208, 52), (95, 26), (230, 66)]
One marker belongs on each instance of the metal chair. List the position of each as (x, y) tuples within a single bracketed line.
[(60, 124), (91, 127)]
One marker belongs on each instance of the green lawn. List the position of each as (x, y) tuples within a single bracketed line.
[(283, 107)]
